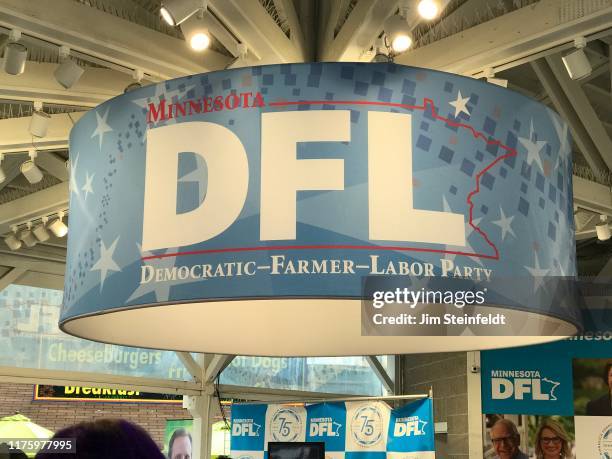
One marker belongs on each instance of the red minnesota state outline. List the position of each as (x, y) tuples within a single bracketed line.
[(427, 104)]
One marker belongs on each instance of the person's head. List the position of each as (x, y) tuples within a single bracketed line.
[(552, 441), (179, 446), (107, 439), (607, 375), (11, 453), (505, 438), (17, 454)]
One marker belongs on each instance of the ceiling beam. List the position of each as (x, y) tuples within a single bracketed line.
[(564, 107), (358, 32), (330, 19), (216, 365), (42, 280), (54, 165), (581, 105), (11, 259), (105, 380), (95, 86), (296, 34), (46, 202), (104, 36), (191, 365), (514, 38), (11, 277), (592, 196), (251, 23), (16, 135), (11, 165)]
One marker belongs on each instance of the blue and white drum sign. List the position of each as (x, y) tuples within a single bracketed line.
[(272, 200)]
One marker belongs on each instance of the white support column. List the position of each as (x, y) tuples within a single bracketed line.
[(474, 395), (201, 408)]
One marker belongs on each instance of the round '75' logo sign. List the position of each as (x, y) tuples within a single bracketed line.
[(367, 426), (286, 425)]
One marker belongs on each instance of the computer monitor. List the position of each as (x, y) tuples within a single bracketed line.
[(296, 450)]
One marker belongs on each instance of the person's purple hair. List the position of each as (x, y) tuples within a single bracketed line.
[(107, 439)]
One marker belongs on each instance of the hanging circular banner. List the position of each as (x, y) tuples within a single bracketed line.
[(320, 209)]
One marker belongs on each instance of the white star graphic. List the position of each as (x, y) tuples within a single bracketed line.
[(198, 175), (533, 148), (106, 262), (561, 129), (87, 188), (72, 185), (161, 289), (102, 127), (468, 232), (538, 273), (460, 105), (505, 223)]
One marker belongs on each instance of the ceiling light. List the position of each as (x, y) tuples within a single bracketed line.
[(30, 170), (602, 228), (398, 33), (2, 173), (57, 226), (68, 72), (138, 75), (176, 12), (27, 237), (40, 231), (12, 241), (196, 34), (39, 122), (15, 55), (428, 9), (577, 63)]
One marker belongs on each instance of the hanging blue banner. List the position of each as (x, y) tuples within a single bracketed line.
[(272, 192), (411, 430), (350, 430), (559, 378)]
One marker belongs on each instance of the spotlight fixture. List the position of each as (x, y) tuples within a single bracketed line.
[(428, 9), (196, 33), (2, 173), (176, 12), (27, 237), (602, 228), (39, 122), (380, 54), (57, 226), (40, 231), (68, 72), (577, 63), (241, 60), (15, 55), (398, 33), (30, 170), (138, 75), (12, 241)]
